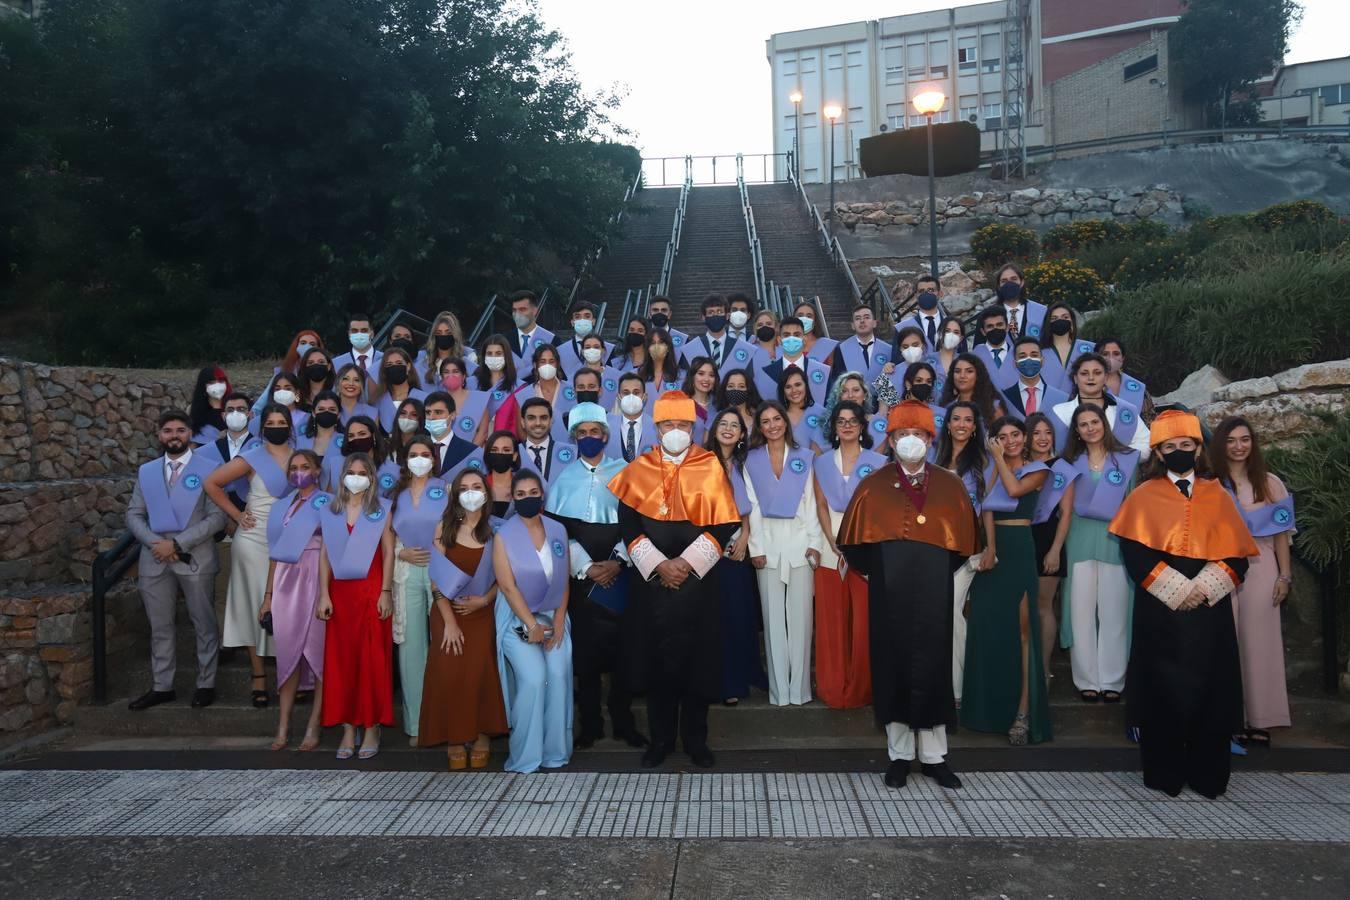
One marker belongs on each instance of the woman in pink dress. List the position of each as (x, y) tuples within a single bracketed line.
[(1268, 510)]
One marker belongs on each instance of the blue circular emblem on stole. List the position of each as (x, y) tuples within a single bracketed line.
[(1115, 476), (1282, 516), (937, 421), (1132, 385), (1034, 331), (569, 393), (476, 465), (882, 359), (558, 549), (1085, 347), (565, 454), (192, 482), (1059, 481), (386, 481), (436, 493), (676, 339), (817, 376), (742, 356), (466, 424), (864, 471), (254, 444), (1126, 416), (879, 425), (320, 501), (377, 515), (798, 466), (813, 420), (611, 384)]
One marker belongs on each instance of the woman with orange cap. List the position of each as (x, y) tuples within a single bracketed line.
[(1185, 546)]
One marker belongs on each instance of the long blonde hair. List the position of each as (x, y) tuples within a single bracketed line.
[(371, 502), (432, 374)]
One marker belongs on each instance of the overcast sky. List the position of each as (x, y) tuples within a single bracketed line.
[(696, 76)]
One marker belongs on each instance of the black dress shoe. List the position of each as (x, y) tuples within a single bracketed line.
[(152, 698), (632, 737), (942, 774), (585, 740), (654, 756), (702, 757), (203, 697), (897, 773)]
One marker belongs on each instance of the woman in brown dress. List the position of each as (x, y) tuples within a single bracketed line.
[(461, 691)]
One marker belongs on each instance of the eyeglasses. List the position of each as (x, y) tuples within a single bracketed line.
[(846, 423)]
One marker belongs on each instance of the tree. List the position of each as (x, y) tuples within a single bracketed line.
[(1219, 48)]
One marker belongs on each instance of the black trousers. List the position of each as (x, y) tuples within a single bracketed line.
[(1177, 756), (683, 712), (597, 649)]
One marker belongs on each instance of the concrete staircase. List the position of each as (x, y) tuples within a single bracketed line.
[(634, 258), (713, 255), (794, 255)]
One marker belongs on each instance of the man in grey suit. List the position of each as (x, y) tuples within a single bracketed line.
[(175, 523)]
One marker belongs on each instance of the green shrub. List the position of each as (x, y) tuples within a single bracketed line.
[(1067, 281), (995, 244), (1146, 230), (1105, 259), (1066, 239), (1318, 472), (1155, 261), (1296, 212)]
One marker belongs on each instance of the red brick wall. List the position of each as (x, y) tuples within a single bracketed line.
[(1059, 17)]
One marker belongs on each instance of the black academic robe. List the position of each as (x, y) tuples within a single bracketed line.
[(909, 598), (673, 637), (595, 628), (1185, 679)]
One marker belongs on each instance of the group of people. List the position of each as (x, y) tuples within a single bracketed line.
[(502, 527)]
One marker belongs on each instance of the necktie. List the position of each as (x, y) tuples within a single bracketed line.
[(630, 446), (538, 458), (717, 352), (436, 448), (175, 467), (867, 355), (932, 331), (1184, 485), (1031, 399), (1012, 326), (998, 358)]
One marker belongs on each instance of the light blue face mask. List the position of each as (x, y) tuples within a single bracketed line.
[(360, 340), (437, 427), (792, 344), (302, 349), (808, 323), (582, 327)]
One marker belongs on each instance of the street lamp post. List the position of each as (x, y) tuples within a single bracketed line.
[(832, 112), (796, 98), (928, 103)]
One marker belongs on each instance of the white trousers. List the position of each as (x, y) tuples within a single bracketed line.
[(788, 617), (962, 580), (932, 743), (1099, 606)]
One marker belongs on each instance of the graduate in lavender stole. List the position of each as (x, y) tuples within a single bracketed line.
[(294, 547)]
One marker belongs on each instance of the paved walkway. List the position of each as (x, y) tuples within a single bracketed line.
[(1259, 806)]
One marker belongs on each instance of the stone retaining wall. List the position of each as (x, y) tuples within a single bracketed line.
[(1030, 207), (1284, 407)]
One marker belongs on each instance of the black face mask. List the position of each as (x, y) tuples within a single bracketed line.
[(588, 396), (1060, 327), (316, 371), (765, 333), (660, 320), (276, 434), (928, 300), (396, 374), (358, 445), (325, 419), (1178, 462), (715, 324), (529, 507), (921, 392), (445, 341), (736, 397), (499, 462), (1009, 291), (996, 336), (403, 344), (635, 340)]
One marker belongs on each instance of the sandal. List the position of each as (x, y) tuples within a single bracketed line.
[(260, 697), (1090, 696), (311, 742), (1017, 734), (1111, 696), (279, 744), (459, 757), (369, 751), (478, 759)]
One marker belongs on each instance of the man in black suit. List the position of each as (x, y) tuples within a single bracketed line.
[(716, 343), (538, 450), (1029, 393), (450, 452)]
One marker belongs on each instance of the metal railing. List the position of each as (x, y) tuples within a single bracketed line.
[(401, 316), (484, 321), (878, 298), (1185, 136), (827, 239), (676, 233), (704, 169), (751, 235), (108, 569)]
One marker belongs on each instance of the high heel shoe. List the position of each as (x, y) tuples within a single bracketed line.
[(369, 751), (478, 759), (1017, 734)]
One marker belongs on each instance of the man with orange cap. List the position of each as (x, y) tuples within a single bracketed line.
[(676, 513), (1185, 547), (908, 528)]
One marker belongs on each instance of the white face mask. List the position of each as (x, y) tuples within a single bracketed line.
[(631, 404), (676, 441), (910, 449), (807, 323), (495, 363), (406, 425), (592, 354), (284, 397), (472, 501), (236, 420), (738, 318), (419, 465), (215, 390), (547, 372), (912, 354), (950, 340), (356, 484)]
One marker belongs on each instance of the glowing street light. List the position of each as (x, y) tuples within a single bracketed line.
[(832, 112), (796, 98), (928, 102)]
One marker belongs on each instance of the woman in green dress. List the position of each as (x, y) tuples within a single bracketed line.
[(1005, 687)]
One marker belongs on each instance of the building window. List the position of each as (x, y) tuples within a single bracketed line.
[(938, 59), (1332, 94), (895, 65), (854, 59), (967, 55), (993, 112), (835, 60), (808, 65), (991, 51), (916, 121), (918, 60), (895, 115), (1142, 67)]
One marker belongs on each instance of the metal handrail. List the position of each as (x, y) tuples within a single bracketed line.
[(484, 320), (108, 569), (600, 317), (676, 233), (1190, 135), (841, 261), (767, 175), (394, 317), (751, 233), (820, 315)]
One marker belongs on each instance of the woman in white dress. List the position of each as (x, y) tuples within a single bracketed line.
[(263, 461)]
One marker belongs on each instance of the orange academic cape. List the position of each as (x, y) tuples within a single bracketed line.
[(1207, 526), (695, 491), (880, 511)]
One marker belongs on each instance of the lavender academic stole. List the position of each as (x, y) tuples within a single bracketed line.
[(415, 524), (1056, 373), (349, 555), (973, 490), (851, 351), (806, 431), (998, 499), (822, 348), (170, 509), (454, 582), (267, 469), (386, 476), (541, 594), (360, 409), (1062, 474), (1132, 390), (1269, 519), (1127, 421), (739, 492), (1101, 499), (286, 541), (837, 487), (779, 497), (389, 407), (496, 395)]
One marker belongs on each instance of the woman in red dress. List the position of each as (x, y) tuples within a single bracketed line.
[(355, 571)]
